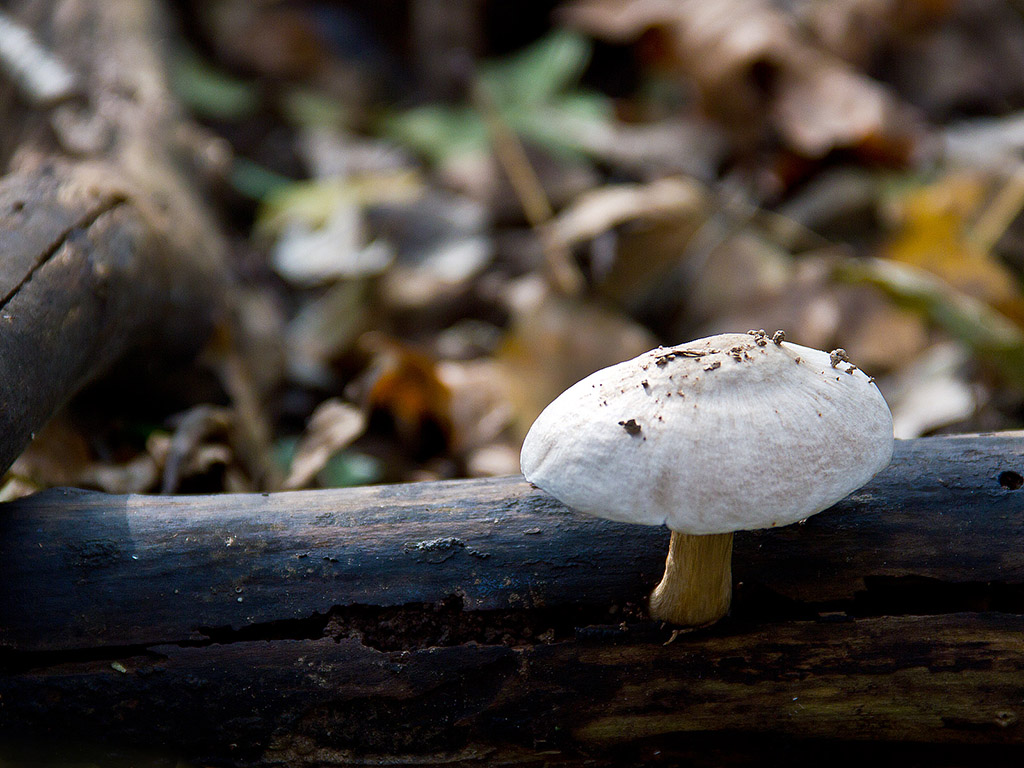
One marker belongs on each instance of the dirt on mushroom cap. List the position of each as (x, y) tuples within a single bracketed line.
[(735, 436)]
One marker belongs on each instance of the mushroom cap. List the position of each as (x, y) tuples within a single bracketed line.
[(732, 432)]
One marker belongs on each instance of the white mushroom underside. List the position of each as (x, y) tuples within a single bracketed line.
[(749, 434)]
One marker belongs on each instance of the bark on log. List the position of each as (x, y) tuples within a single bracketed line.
[(105, 245), (482, 623)]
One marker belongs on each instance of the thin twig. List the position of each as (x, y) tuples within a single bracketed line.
[(563, 274), (1000, 213), (252, 438), (40, 75)]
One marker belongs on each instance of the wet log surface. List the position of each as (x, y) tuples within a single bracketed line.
[(481, 623)]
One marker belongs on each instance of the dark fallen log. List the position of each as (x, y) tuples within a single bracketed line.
[(604, 697), (106, 244), (481, 622)]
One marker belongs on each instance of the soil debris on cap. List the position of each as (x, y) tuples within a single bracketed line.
[(760, 337), (663, 358), (630, 426), (715, 365), (778, 337), (837, 356)]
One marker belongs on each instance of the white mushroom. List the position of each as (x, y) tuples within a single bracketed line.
[(727, 433)]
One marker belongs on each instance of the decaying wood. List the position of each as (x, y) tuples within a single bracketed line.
[(482, 623), (604, 698), (106, 246)]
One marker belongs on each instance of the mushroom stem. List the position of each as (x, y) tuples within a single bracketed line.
[(696, 589)]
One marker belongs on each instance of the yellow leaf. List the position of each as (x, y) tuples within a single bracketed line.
[(933, 233)]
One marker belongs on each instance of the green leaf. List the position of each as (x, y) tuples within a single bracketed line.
[(313, 202), (307, 108), (348, 468), (211, 93), (439, 132), (283, 453), (540, 72), (564, 126), (532, 92), (988, 333), (256, 181)]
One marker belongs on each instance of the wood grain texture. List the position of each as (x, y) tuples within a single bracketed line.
[(482, 623)]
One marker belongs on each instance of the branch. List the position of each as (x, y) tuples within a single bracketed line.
[(487, 622), (106, 246)]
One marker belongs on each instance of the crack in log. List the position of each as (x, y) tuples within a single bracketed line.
[(13, 662), (418, 626), (883, 596), (83, 223), (410, 627), (922, 596)]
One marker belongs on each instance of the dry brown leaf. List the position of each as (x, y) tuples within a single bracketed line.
[(609, 206), (15, 487), (187, 452), (493, 460), (735, 279), (877, 334), (140, 475), (259, 37), (480, 411), (260, 337), (443, 242), (334, 425), (325, 327), (60, 456), (652, 224), (931, 392), (856, 30), (685, 143), (839, 204), (757, 71), (804, 299), (250, 430), (555, 341), (56, 455), (822, 105), (948, 58), (402, 384)]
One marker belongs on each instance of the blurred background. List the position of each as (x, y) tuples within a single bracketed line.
[(442, 213)]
